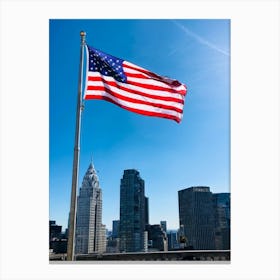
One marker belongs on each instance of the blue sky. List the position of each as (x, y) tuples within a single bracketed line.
[(169, 156)]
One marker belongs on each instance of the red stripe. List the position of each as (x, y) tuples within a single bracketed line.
[(151, 87), (138, 111), (117, 85), (136, 101), (133, 75)]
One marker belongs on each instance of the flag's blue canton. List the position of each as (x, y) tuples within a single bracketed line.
[(106, 64)]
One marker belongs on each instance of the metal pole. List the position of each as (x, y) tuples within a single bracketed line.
[(72, 219)]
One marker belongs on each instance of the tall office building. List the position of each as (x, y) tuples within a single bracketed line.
[(197, 217), (222, 220), (89, 229), (133, 215)]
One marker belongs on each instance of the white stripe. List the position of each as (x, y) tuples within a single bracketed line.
[(143, 90), (135, 105), (138, 97), (140, 89), (153, 82), (132, 71), (150, 80)]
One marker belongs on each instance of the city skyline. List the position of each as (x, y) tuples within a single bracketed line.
[(160, 222), (205, 221), (169, 156)]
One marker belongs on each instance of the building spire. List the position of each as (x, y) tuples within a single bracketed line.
[(91, 179)]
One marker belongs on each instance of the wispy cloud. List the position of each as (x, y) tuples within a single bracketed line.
[(200, 39)]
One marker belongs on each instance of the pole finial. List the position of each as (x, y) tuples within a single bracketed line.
[(83, 37)]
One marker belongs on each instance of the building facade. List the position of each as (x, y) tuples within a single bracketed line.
[(54, 230), (115, 228), (222, 220), (197, 217), (157, 238), (146, 210), (90, 232), (172, 237), (133, 215), (57, 239)]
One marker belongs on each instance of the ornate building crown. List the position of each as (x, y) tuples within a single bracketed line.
[(90, 179)]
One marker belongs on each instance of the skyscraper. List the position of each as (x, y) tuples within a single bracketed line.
[(132, 212), (197, 217), (222, 219), (89, 230)]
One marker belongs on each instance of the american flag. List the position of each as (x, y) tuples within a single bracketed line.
[(132, 87)]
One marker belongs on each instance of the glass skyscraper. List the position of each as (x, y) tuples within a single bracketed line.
[(133, 214), (222, 212), (197, 217)]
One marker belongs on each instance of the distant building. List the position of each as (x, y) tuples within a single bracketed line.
[(163, 225), (197, 217), (132, 212), (157, 238), (113, 245), (172, 237), (222, 220), (108, 233), (116, 228), (146, 210), (54, 230), (57, 239), (58, 246), (90, 232)]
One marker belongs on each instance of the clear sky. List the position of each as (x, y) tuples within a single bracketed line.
[(168, 155)]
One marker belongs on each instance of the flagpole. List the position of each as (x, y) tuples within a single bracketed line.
[(72, 218)]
